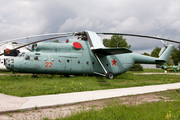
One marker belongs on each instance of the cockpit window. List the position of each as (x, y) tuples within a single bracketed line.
[(22, 55), (11, 53)]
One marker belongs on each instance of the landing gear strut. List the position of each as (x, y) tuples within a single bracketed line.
[(34, 76), (109, 75)]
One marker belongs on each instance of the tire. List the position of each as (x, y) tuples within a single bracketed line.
[(110, 75), (34, 76)]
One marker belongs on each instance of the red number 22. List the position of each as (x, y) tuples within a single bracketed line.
[(48, 64)]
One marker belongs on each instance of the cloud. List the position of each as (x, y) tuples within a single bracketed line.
[(176, 25), (80, 24), (28, 17)]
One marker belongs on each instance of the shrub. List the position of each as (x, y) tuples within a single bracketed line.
[(136, 67)]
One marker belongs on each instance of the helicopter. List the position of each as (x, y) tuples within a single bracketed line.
[(84, 55)]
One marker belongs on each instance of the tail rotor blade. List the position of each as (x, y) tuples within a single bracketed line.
[(162, 50), (163, 43)]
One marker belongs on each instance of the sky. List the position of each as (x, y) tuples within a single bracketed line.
[(20, 18)]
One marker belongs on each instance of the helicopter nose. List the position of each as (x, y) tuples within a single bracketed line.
[(9, 64)]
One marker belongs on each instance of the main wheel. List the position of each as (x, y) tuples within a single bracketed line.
[(34, 76), (110, 75)]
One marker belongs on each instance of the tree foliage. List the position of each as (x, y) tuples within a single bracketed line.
[(176, 55), (136, 67), (106, 42), (147, 54), (116, 41), (56, 41), (155, 52)]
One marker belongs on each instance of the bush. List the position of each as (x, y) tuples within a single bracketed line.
[(136, 67)]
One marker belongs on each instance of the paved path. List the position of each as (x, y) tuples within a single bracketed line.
[(156, 73), (11, 103)]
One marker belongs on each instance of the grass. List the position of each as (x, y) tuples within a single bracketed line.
[(26, 86), (149, 70), (146, 111), (146, 70)]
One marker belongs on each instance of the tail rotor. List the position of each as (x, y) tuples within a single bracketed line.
[(163, 48)]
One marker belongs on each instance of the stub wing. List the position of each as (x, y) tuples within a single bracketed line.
[(98, 48), (111, 51)]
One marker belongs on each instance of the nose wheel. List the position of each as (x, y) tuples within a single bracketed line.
[(109, 75)]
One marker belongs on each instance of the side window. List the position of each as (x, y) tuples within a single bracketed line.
[(27, 57), (22, 55), (35, 57)]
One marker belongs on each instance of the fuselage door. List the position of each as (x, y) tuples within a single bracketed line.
[(37, 61)]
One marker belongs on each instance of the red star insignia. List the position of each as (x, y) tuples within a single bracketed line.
[(114, 62)]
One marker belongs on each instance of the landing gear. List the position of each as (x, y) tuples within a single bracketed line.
[(34, 76), (49, 75), (67, 76), (109, 75)]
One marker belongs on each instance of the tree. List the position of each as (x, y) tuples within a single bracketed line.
[(106, 42), (56, 41), (176, 55), (147, 54), (116, 41), (155, 52), (136, 67)]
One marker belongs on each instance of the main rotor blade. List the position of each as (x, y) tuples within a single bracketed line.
[(34, 36), (140, 36), (32, 43)]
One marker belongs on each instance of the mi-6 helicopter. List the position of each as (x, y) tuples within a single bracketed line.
[(85, 55)]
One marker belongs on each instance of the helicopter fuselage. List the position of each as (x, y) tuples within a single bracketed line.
[(80, 56), (65, 58)]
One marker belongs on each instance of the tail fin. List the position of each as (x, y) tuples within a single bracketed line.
[(166, 54)]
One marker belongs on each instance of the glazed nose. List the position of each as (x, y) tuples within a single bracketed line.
[(9, 63)]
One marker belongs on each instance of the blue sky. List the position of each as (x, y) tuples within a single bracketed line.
[(19, 18)]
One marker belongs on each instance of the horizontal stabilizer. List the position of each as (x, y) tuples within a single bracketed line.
[(111, 51), (160, 61)]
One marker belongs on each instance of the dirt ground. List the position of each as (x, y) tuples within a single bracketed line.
[(63, 111)]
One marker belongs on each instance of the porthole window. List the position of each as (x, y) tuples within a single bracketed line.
[(93, 63), (35, 57), (59, 60), (22, 55), (67, 61), (87, 62), (78, 62), (45, 59), (107, 64), (52, 59), (27, 58), (12, 60)]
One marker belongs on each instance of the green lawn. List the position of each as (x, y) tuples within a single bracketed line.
[(161, 110), (26, 86)]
